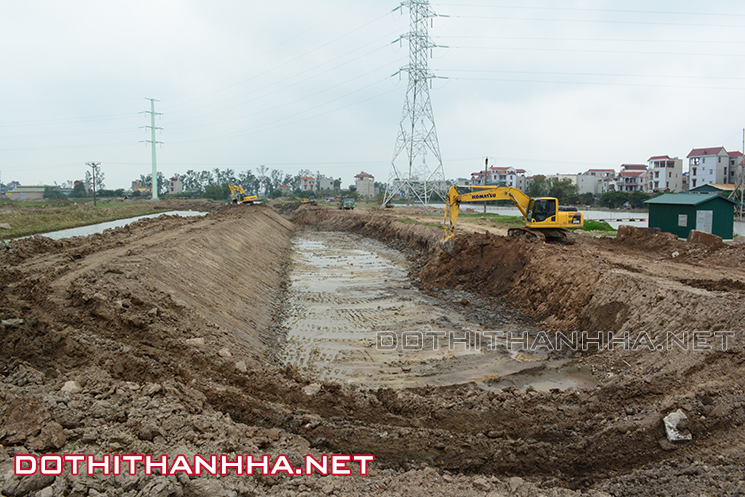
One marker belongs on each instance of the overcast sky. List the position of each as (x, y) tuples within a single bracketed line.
[(547, 86)]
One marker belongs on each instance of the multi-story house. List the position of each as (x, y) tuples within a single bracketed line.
[(308, 184), (365, 184), (632, 177), (664, 174), (712, 165), (591, 181)]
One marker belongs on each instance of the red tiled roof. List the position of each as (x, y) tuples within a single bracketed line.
[(307, 177), (520, 171), (735, 154), (364, 175), (658, 157), (704, 151), (634, 167), (631, 174)]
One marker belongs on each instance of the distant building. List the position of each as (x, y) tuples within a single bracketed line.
[(365, 184), (175, 186), (571, 177), (632, 177), (501, 176), (308, 184), (664, 174), (712, 165), (463, 182), (285, 189), (27, 192), (325, 183), (591, 181)]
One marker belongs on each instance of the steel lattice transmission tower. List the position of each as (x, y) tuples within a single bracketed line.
[(417, 135)]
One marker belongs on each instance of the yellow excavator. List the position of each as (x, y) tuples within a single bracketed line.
[(240, 196), (545, 220)]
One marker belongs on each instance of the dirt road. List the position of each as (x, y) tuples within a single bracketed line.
[(231, 334)]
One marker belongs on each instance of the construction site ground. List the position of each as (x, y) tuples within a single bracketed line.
[(254, 330)]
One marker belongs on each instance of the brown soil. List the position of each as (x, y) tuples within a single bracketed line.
[(158, 338)]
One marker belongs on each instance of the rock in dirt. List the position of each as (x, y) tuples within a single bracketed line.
[(71, 387), (674, 431), (703, 238), (312, 389)]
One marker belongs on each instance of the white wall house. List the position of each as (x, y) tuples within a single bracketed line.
[(308, 184), (708, 166), (365, 184), (664, 174), (591, 181)]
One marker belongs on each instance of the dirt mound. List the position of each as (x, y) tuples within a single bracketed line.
[(157, 339)]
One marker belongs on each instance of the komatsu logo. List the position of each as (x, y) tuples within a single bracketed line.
[(484, 195)]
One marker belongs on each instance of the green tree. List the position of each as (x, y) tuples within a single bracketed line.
[(78, 191), (217, 192), (52, 192), (538, 187), (637, 199), (614, 199), (563, 189)]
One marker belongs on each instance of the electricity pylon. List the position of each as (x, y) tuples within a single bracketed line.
[(153, 143), (417, 134)]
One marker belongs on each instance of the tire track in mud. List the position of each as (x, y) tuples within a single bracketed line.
[(345, 289)]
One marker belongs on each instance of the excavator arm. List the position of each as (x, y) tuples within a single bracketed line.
[(480, 194)]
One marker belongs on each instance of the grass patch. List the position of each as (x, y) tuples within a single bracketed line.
[(495, 220), (30, 218), (591, 225), (412, 221)]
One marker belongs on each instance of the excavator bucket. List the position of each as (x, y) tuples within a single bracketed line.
[(448, 245)]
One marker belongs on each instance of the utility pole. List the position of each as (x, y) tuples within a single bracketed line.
[(417, 134), (153, 142), (740, 186), (486, 172), (94, 168)]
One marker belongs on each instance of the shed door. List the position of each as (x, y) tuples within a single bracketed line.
[(704, 221)]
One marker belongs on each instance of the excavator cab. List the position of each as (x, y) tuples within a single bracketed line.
[(541, 209)]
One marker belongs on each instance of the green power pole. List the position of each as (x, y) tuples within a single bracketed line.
[(153, 142)]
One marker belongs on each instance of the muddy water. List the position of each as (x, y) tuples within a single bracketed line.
[(353, 316)]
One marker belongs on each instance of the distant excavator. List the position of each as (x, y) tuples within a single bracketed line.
[(240, 196), (545, 220)]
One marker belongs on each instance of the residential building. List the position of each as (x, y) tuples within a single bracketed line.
[(477, 178), (664, 174), (285, 189), (632, 177), (365, 184), (175, 186), (26, 192), (463, 182), (501, 176), (308, 184), (591, 181), (325, 183), (558, 177), (710, 165)]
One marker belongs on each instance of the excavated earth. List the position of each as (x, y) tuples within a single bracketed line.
[(185, 336)]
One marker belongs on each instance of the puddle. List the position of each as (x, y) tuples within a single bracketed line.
[(101, 227), (353, 316)]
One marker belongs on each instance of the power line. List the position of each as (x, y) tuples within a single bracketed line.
[(597, 21), (581, 9)]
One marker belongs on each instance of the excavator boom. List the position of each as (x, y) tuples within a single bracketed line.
[(543, 217)]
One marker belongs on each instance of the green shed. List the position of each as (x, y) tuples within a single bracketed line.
[(679, 213)]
